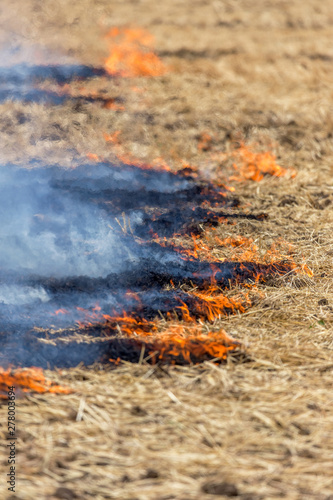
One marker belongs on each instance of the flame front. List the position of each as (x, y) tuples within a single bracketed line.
[(26, 380), (254, 166), (130, 54), (206, 264)]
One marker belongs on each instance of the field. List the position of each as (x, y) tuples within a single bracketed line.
[(256, 73)]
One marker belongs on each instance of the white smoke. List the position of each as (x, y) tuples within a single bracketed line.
[(21, 295), (45, 232)]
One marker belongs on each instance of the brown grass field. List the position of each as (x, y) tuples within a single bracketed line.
[(258, 72)]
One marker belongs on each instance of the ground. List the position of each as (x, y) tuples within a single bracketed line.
[(258, 72)]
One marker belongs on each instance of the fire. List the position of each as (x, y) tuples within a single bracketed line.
[(89, 316), (93, 157), (205, 141), (239, 248), (254, 166), (180, 343), (61, 311), (84, 93), (206, 304), (209, 247), (28, 379), (177, 342), (125, 324), (184, 341), (211, 303), (113, 138), (178, 335), (130, 54)]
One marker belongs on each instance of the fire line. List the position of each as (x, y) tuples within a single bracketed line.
[(90, 268)]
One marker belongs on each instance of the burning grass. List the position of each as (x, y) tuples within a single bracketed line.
[(199, 276), (83, 94), (150, 228), (260, 429), (208, 246), (254, 166), (27, 380), (167, 341), (130, 54), (247, 163)]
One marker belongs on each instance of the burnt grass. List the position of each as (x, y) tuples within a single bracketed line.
[(154, 268), (257, 73)]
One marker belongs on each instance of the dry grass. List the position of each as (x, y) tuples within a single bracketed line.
[(257, 71)]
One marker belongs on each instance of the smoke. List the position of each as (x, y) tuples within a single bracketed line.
[(22, 295), (45, 231), (21, 82), (68, 240), (74, 239), (76, 244), (18, 50), (19, 79)]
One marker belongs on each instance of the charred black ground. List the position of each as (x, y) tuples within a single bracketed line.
[(22, 81), (79, 238)]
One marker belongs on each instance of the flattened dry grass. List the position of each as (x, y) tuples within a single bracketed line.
[(258, 72), (143, 432)]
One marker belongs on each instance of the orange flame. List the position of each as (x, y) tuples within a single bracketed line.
[(93, 157), (205, 141), (238, 248), (254, 166), (110, 104), (168, 341), (127, 325), (185, 341), (61, 311), (210, 248), (72, 91), (26, 380), (191, 345), (210, 304), (130, 55)]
